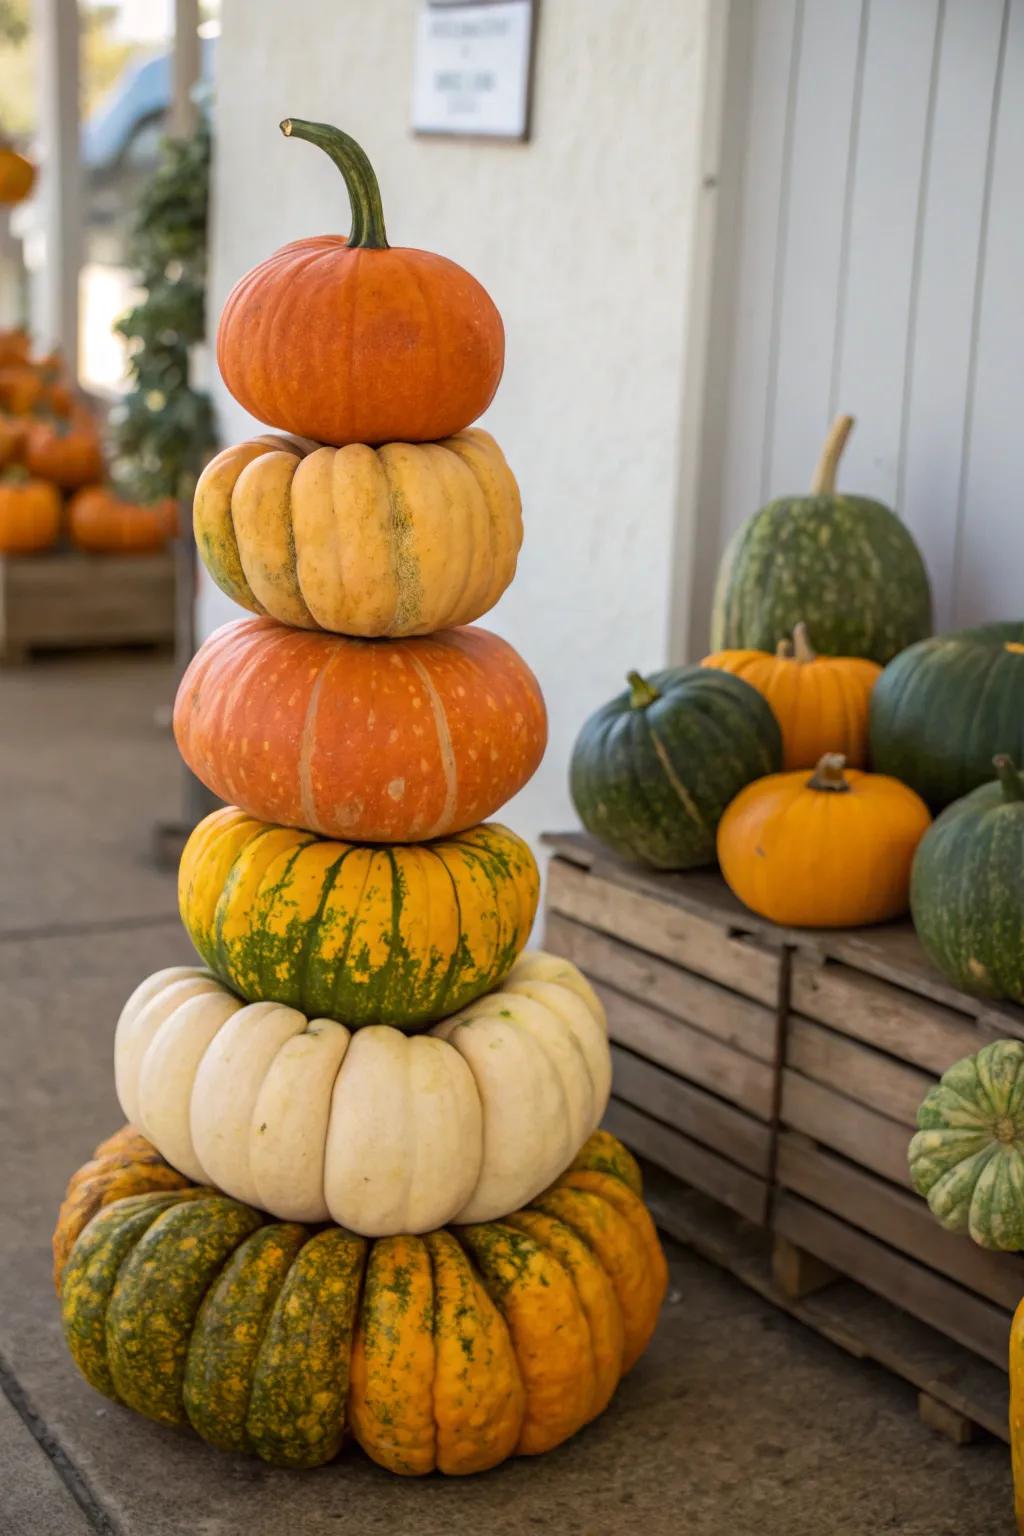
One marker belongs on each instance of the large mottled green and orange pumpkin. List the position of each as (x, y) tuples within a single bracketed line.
[(350, 340), (402, 539), (447, 1352), (377, 741), (368, 933)]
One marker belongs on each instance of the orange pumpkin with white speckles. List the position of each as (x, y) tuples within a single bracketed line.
[(446, 1352), (391, 741)]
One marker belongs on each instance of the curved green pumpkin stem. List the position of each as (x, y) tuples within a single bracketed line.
[(1009, 778), (641, 694), (829, 774), (368, 232), (823, 482)]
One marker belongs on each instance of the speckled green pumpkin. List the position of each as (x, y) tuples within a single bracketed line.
[(157, 1295), (967, 1158), (944, 708), (229, 1333), (300, 1387), (653, 770), (446, 1352), (843, 565), (967, 888)]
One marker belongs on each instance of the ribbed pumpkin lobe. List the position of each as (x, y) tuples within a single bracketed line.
[(368, 232)]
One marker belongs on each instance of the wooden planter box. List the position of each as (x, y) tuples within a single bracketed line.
[(64, 599), (779, 1071)]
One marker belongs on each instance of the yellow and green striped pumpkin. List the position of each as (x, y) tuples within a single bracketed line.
[(967, 1158), (447, 1352), (366, 934)]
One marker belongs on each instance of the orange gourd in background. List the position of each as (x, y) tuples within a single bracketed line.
[(820, 702), (831, 849), (29, 514), (354, 341), (17, 176), (66, 452), (99, 522)]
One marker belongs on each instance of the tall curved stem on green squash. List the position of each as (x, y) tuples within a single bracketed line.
[(641, 694), (823, 482), (368, 232), (1009, 778)]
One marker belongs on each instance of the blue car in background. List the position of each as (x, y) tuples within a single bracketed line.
[(127, 126)]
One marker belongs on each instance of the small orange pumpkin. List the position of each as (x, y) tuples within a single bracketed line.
[(17, 176), (820, 702), (350, 340), (100, 522), (12, 439), (14, 347), (827, 850), (29, 513), (66, 452)]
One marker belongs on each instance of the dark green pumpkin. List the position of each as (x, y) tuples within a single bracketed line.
[(653, 770), (844, 565), (967, 888), (944, 708)]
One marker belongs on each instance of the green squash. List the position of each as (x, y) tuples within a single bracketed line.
[(967, 888), (967, 1158), (844, 565), (653, 770), (944, 708)]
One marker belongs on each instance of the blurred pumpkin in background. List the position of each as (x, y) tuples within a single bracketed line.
[(12, 439), (101, 522), (67, 452), (17, 176), (29, 513), (14, 347)]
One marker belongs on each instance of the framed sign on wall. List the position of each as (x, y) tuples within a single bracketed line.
[(474, 66)]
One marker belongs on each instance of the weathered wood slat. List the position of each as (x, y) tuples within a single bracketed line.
[(957, 1313), (65, 598), (883, 1083), (686, 1160), (857, 1132), (902, 1220), (691, 1111), (737, 1021), (864, 1324), (893, 1020), (690, 1053), (698, 943)]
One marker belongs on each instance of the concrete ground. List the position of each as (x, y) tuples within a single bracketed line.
[(737, 1423)]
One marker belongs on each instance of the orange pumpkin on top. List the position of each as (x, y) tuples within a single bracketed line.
[(354, 341)]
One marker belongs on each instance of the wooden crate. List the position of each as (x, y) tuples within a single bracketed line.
[(779, 1072), (67, 599), (870, 1026), (693, 1001)]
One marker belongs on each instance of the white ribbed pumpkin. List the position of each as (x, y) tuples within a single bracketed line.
[(377, 1130)]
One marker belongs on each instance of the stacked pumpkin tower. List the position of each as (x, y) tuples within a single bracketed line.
[(304, 1231)]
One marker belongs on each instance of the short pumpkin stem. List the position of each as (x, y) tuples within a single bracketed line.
[(829, 774), (803, 650), (824, 480), (784, 650), (368, 232), (641, 694), (1009, 778)]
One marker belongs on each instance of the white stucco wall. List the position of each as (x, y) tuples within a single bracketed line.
[(583, 239)]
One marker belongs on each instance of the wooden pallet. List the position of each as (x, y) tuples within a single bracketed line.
[(693, 1014), (65, 599), (958, 1393), (779, 1071)]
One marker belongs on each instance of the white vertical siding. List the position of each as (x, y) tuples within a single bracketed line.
[(880, 270)]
